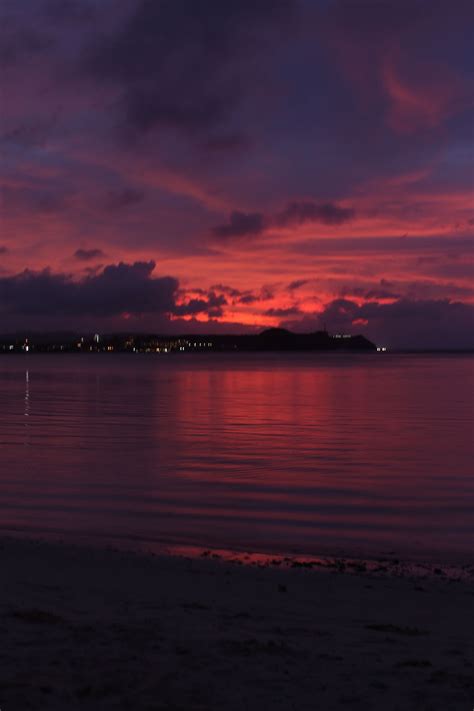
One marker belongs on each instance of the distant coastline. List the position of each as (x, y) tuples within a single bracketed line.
[(272, 339)]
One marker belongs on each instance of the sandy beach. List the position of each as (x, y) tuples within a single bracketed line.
[(85, 628)]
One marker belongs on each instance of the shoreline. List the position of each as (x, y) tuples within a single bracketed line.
[(385, 562), (98, 628)]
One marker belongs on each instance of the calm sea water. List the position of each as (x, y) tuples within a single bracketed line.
[(360, 454)]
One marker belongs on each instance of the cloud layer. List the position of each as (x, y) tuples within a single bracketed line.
[(274, 157), (119, 292)]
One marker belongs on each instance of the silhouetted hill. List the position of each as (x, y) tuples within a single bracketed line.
[(283, 340), (280, 339)]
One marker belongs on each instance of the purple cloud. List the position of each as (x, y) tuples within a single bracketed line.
[(117, 289), (299, 212), (86, 255), (404, 324), (246, 224), (283, 313), (118, 199), (241, 224)]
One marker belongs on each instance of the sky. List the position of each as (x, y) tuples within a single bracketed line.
[(177, 166)]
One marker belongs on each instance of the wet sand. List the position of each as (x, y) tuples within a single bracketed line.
[(85, 628)]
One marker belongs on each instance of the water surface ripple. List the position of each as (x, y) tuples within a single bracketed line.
[(285, 453)]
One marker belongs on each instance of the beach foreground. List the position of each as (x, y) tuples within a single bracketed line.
[(94, 629)]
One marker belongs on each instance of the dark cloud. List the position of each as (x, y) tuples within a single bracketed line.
[(377, 22), (451, 269), (70, 11), (370, 294), (405, 323), (245, 224), (20, 44), (93, 270), (436, 290), (249, 299), (283, 313), (121, 288), (252, 297), (297, 284), (182, 64), (229, 290), (24, 199), (374, 294), (143, 110), (222, 294), (192, 307), (241, 224), (299, 212), (85, 255), (3, 250), (439, 245), (373, 22), (212, 306), (412, 290), (266, 293), (227, 143), (31, 132), (117, 199)]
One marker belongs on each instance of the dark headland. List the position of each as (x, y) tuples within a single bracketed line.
[(272, 339), (280, 339)]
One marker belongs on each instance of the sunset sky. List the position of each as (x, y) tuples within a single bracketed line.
[(221, 166)]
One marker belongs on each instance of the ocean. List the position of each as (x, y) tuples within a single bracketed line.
[(280, 453)]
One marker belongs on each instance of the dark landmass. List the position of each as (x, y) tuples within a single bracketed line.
[(272, 339)]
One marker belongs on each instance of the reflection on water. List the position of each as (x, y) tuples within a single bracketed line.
[(266, 452)]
